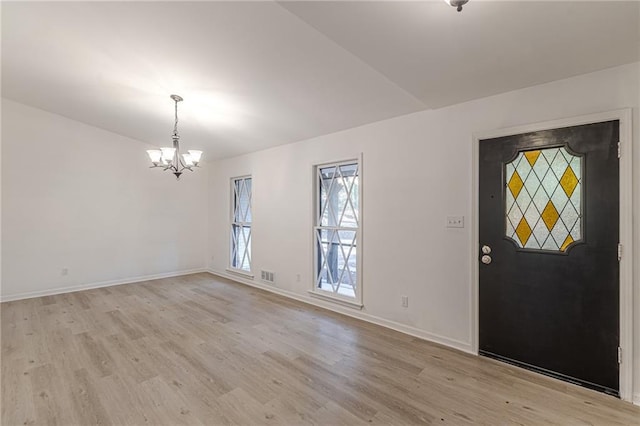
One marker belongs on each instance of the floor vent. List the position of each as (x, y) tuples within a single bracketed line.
[(267, 276)]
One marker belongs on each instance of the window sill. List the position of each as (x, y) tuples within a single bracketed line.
[(337, 300), (240, 272)]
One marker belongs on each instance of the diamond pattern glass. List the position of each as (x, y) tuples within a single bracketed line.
[(543, 208), (337, 229), (241, 224)]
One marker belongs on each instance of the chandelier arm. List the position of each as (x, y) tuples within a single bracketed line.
[(183, 166), (179, 161)]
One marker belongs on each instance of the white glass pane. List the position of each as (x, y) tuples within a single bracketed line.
[(540, 233), (510, 200), (531, 184), (509, 170), (237, 247), (541, 167), (569, 216), (523, 167), (532, 215), (540, 198), (245, 201), (559, 165), (559, 233), (349, 202), (550, 183), (514, 216), (329, 188), (559, 199), (549, 243), (246, 256), (346, 257)]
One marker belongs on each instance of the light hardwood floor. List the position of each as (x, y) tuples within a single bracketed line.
[(202, 350)]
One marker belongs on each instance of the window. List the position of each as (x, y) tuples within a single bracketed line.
[(336, 231), (543, 206), (241, 224)]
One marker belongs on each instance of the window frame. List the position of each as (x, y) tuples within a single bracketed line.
[(233, 222), (315, 291)]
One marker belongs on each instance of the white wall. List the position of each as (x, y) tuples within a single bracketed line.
[(78, 197), (417, 170)]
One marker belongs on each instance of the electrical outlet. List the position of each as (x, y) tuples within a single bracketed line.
[(455, 221), (64, 271), (405, 301), (297, 278)]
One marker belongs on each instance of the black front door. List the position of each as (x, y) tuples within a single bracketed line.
[(549, 271)]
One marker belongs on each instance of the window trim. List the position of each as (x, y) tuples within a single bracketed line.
[(232, 222), (357, 301)]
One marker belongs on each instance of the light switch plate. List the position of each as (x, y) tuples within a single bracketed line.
[(455, 221)]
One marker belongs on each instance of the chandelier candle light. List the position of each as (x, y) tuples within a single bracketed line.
[(170, 158)]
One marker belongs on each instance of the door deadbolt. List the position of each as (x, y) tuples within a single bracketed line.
[(486, 249), (486, 259)]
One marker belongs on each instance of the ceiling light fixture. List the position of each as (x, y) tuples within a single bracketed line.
[(170, 158), (457, 3)]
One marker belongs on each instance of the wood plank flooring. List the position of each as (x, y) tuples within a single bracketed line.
[(198, 350)]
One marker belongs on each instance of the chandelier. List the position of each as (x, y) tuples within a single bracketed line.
[(170, 158)]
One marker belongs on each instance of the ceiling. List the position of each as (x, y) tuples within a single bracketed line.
[(260, 74)]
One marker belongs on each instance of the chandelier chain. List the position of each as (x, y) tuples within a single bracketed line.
[(175, 125)]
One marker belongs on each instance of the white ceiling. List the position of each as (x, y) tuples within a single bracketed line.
[(260, 74), (443, 58)]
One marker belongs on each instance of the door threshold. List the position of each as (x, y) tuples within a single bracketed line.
[(555, 375)]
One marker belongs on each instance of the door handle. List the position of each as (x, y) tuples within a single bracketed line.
[(486, 259), (486, 249)]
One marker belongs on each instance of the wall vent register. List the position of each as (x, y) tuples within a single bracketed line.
[(543, 194), (267, 276)]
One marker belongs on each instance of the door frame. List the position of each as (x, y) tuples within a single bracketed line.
[(626, 228)]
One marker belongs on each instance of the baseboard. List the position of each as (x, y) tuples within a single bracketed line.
[(403, 328), (70, 289), (636, 398)]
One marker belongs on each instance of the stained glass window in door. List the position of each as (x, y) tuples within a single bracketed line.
[(543, 199)]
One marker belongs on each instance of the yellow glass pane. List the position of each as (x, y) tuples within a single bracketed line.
[(566, 243), (550, 215), (515, 184), (523, 231), (569, 181), (532, 156)]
